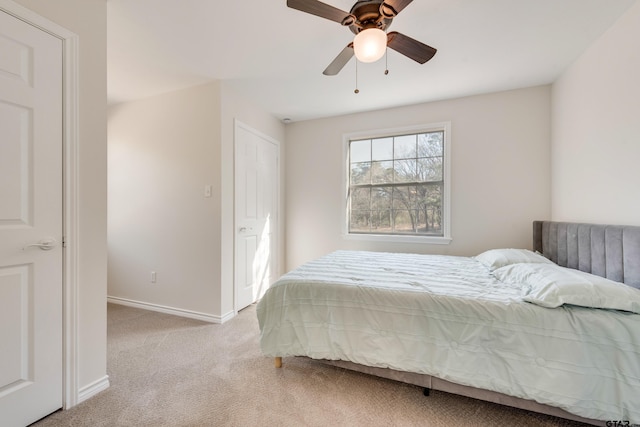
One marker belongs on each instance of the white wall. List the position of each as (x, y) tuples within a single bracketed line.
[(163, 151), (500, 171), (88, 19), (596, 130)]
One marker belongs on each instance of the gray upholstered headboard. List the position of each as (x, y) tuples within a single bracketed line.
[(611, 251)]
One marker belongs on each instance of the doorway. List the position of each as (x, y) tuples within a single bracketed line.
[(257, 203), (37, 245)]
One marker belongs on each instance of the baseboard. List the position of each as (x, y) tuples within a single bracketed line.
[(172, 310), (92, 389)]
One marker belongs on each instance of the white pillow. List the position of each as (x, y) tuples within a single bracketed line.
[(550, 285), (496, 258)]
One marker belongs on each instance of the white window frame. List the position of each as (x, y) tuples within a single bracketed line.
[(446, 206)]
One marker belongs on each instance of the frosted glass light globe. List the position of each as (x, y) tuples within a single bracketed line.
[(369, 45)]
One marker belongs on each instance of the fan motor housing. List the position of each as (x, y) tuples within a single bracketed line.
[(368, 15)]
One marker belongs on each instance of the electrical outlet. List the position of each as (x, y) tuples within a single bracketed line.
[(153, 277)]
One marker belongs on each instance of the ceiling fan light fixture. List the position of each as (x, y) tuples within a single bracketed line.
[(370, 44)]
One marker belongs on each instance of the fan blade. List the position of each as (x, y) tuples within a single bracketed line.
[(390, 8), (322, 10), (409, 47), (340, 61)]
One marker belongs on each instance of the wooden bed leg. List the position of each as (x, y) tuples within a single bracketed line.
[(278, 362), (426, 391)]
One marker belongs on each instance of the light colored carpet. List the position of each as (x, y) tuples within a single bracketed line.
[(171, 371)]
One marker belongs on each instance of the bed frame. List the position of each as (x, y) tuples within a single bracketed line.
[(611, 251)]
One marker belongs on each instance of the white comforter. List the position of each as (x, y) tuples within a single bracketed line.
[(449, 317)]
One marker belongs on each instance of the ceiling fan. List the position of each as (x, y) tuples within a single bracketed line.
[(368, 20)]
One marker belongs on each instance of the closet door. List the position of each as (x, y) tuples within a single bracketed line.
[(256, 218)]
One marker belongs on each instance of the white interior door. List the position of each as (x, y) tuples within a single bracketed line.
[(30, 222), (256, 214)]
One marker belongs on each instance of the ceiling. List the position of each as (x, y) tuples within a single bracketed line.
[(275, 55)]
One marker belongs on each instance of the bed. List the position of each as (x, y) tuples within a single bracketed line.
[(510, 326)]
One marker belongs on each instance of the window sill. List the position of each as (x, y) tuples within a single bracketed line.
[(430, 240)]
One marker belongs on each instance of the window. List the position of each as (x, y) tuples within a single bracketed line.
[(397, 184)]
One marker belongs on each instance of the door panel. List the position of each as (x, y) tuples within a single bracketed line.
[(15, 166), (30, 214), (15, 286), (256, 195)]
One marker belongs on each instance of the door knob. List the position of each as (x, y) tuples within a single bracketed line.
[(44, 244)]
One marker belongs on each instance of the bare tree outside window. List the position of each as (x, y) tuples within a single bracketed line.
[(396, 185)]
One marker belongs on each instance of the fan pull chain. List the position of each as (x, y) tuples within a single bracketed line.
[(386, 61), (357, 90)]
